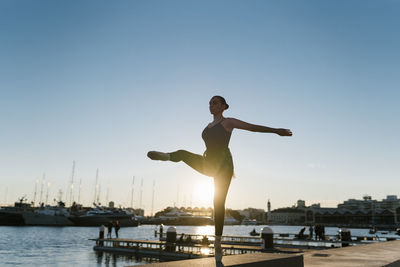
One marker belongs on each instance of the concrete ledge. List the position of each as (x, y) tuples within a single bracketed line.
[(373, 255), (383, 254), (251, 259)]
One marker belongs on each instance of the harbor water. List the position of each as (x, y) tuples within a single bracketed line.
[(69, 246)]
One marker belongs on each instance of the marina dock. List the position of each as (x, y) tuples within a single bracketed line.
[(283, 244), (168, 251)]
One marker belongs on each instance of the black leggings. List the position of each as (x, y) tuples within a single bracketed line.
[(221, 170)]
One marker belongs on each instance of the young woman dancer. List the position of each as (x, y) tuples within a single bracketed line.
[(217, 159)]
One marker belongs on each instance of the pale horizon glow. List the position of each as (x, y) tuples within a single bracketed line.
[(102, 83), (204, 192)]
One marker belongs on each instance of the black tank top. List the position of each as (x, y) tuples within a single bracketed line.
[(216, 138)]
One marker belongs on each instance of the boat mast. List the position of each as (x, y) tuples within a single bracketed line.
[(177, 197), (141, 193), (152, 197), (41, 187), (132, 190), (107, 194), (71, 189), (79, 192), (96, 185), (60, 193), (98, 194), (34, 195), (47, 192)]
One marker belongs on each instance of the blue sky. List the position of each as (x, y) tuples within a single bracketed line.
[(103, 82)]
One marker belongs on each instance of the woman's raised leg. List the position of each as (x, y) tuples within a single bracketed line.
[(195, 161)]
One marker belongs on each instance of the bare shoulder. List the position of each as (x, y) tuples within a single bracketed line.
[(232, 123), (228, 124)]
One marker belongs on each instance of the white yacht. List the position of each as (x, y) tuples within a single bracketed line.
[(48, 216)]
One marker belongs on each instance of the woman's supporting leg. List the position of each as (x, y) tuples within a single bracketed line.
[(221, 186), (221, 183)]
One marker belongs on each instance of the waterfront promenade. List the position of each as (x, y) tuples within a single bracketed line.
[(371, 255)]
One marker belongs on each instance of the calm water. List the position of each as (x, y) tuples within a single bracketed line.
[(68, 246)]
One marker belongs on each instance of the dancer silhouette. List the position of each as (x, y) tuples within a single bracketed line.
[(217, 159)]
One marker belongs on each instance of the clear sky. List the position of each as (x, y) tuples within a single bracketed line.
[(103, 82)]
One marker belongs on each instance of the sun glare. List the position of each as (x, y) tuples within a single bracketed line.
[(205, 251), (204, 230), (204, 192)]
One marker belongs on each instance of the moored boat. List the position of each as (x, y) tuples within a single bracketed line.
[(48, 216), (100, 216), (12, 216), (176, 217), (249, 222)]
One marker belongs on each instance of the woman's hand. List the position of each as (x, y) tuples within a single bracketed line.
[(283, 132)]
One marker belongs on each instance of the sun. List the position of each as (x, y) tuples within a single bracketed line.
[(204, 192)]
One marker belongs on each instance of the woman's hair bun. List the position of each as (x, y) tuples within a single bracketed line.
[(223, 101)]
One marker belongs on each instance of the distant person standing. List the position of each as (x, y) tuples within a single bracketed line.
[(110, 227), (116, 226), (322, 232), (101, 232), (317, 229), (311, 230), (161, 230)]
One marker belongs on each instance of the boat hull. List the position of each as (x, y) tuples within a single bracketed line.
[(11, 219), (99, 220), (34, 219)]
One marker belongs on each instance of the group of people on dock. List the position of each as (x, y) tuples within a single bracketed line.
[(187, 239), (319, 232), (318, 229), (110, 226)]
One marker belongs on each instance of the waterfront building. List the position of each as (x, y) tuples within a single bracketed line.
[(364, 212), (269, 211), (292, 215), (253, 214), (287, 216), (301, 203)]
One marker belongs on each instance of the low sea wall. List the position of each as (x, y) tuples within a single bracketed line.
[(372, 255), (251, 260), (382, 254)]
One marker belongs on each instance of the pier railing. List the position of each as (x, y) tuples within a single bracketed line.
[(231, 245), (286, 240), (165, 249)]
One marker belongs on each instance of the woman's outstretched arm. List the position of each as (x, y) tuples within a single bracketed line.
[(232, 123)]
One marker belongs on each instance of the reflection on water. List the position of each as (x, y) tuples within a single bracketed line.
[(108, 259), (69, 246), (205, 251), (203, 230)]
